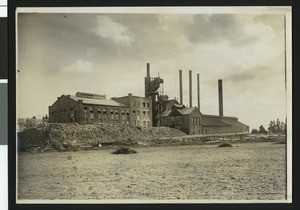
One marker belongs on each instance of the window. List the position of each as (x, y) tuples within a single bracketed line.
[(144, 123), (148, 124), (123, 112), (111, 111), (71, 109), (133, 112), (144, 112), (85, 108), (104, 111), (116, 112), (147, 104), (144, 104), (99, 111), (91, 111)]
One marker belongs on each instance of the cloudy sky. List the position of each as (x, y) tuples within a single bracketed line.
[(106, 53)]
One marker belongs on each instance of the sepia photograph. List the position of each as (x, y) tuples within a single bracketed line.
[(154, 105)]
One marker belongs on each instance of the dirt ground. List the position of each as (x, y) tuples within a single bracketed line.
[(252, 171)]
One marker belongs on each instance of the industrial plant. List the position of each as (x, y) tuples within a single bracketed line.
[(153, 110)]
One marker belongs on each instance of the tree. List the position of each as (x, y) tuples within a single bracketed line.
[(277, 127), (262, 129), (254, 131)]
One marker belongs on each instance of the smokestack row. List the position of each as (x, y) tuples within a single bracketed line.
[(190, 88), (220, 91)]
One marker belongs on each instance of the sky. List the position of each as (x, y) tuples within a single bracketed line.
[(106, 53)]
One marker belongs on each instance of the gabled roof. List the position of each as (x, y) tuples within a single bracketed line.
[(186, 111), (178, 112), (104, 102)]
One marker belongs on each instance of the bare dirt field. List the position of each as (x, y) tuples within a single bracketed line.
[(249, 171)]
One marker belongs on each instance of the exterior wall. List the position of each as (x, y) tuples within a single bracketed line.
[(177, 122), (64, 110), (195, 123), (140, 110), (227, 129), (234, 126), (104, 114)]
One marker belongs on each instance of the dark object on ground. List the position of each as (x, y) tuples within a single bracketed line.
[(124, 150), (225, 145)]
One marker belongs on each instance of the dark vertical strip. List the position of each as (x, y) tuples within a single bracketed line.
[(3, 48)]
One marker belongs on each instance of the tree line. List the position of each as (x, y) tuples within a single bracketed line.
[(277, 127)]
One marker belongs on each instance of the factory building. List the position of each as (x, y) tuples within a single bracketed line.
[(171, 113), (87, 108), (140, 109), (155, 109)]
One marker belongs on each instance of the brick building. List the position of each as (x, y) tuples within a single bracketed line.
[(192, 121), (87, 108), (140, 109)]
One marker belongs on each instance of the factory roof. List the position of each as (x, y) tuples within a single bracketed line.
[(178, 111), (104, 102)]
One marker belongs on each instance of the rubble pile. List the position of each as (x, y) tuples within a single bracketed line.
[(66, 136)]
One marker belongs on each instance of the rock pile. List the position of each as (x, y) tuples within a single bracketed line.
[(65, 136)]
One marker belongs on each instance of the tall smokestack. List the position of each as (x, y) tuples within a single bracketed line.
[(180, 87), (220, 97), (148, 69), (191, 95), (198, 91)]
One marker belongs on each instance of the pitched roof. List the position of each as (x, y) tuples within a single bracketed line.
[(220, 121), (178, 112), (213, 121), (186, 111), (104, 102), (166, 113)]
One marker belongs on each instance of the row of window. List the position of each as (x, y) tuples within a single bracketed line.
[(138, 112), (137, 104)]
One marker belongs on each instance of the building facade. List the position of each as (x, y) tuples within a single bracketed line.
[(87, 108), (140, 109), (192, 121)]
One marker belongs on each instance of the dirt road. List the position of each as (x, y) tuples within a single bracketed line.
[(254, 171)]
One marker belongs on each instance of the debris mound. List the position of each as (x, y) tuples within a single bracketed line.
[(72, 136), (124, 150)]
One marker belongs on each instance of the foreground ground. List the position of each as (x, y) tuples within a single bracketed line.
[(249, 171)]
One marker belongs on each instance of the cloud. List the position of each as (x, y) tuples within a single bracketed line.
[(80, 66), (107, 28)]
